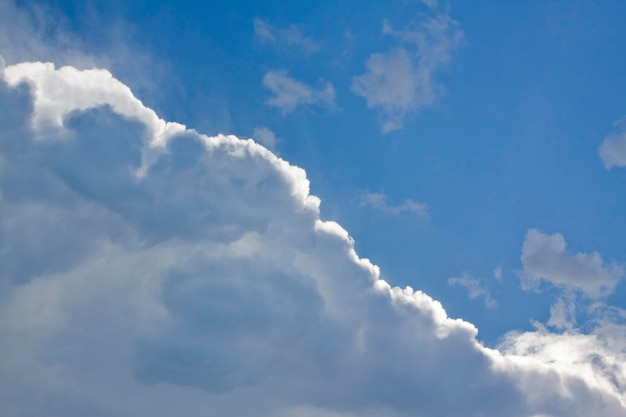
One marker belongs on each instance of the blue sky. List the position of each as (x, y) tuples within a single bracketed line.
[(475, 151)]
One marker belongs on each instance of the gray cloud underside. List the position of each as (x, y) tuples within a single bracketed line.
[(146, 269)]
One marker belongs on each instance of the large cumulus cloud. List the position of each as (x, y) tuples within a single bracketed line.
[(146, 269)]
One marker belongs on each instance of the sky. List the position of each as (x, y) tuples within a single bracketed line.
[(330, 209)]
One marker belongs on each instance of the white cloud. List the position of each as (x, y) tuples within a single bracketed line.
[(475, 289), (265, 137), (403, 80), (289, 37), (379, 201), (544, 257), (210, 286), (290, 93), (613, 148)]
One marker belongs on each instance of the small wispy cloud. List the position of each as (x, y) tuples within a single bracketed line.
[(379, 201), (288, 37), (290, 93), (544, 257), (612, 151), (403, 80), (497, 273), (563, 312), (265, 137), (475, 289)]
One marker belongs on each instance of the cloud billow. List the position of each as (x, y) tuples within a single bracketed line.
[(148, 269)]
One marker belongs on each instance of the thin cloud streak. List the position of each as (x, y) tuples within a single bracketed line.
[(379, 201), (289, 37)]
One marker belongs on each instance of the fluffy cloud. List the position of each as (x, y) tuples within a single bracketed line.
[(613, 148), (403, 80), (290, 93), (544, 257), (290, 37), (208, 285), (379, 201)]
